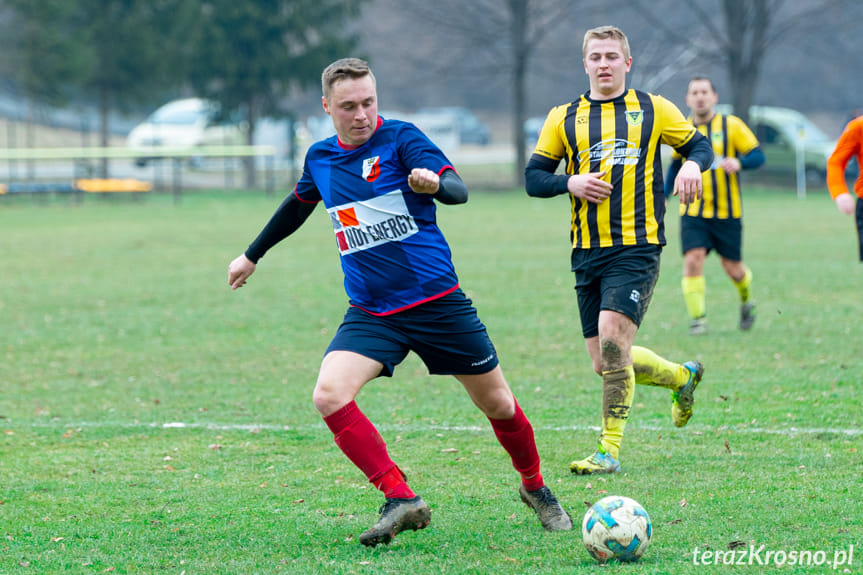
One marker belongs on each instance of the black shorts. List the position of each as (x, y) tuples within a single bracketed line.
[(619, 279), (446, 333), (724, 236), (859, 214)]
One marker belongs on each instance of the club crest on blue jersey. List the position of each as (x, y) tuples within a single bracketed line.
[(371, 168)]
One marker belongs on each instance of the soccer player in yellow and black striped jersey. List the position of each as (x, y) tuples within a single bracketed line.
[(609, 139), (716, 221)]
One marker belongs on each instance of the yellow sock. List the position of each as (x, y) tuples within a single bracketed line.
[(618, 392), (651, 369), (693, 294), (743, 286)]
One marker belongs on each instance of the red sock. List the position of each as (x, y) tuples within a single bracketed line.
[(516, 436), (393, 484), (358, 438)]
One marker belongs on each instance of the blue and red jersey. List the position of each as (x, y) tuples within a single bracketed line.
[(393, 254)]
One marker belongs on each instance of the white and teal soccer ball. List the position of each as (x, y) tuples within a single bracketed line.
[(616, 527)]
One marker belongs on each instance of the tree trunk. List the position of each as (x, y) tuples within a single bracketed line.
[(250, 161), (31, 138), (520, 50), (746, 23), (104, 120)]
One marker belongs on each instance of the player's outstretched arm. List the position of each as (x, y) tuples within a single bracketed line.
[(289, 216), (239, 271)]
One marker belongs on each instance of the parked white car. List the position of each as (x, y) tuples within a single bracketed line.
[(787, 135), (183, 124), (470, 129)]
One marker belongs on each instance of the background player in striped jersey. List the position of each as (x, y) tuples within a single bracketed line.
[(716, 220), (378, 180), (610, 139)]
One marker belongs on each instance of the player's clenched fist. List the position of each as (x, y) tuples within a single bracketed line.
[(423, 181)]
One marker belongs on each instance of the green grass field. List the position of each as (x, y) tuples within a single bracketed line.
[(154, 421)]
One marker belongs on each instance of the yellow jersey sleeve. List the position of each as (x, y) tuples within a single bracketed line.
[(552, 138), (742, 138), (676, 129)]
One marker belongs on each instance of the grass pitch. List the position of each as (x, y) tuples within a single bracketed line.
[(153, 421)]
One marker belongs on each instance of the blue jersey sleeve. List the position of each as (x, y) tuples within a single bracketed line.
[(417, 151), (306, 190)]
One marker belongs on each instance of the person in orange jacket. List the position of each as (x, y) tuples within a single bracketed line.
[(850, 144)]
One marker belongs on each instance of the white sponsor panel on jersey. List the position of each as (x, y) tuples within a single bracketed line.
[(369, 223)]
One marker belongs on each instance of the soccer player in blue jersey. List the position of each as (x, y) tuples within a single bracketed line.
[(378, 180)]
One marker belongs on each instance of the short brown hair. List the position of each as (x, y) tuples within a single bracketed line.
[(604, 33), (702, 79), (344, 69)]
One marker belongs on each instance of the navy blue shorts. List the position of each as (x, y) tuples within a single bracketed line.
[(445, 333), (724, 236), (618, 279)]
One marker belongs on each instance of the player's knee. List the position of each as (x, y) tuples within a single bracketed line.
[(613, 356), (498, 406), (327, 400), (321, 400), (735, 269), (610, 351)]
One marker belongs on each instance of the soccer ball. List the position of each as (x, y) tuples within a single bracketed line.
[(616, 527)]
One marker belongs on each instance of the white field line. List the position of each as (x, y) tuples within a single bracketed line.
[(785, 431)]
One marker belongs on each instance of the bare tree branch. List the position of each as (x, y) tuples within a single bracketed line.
[(707, 19)]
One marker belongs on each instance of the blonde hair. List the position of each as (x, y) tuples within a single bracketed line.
[(605, 33), (344, 69)]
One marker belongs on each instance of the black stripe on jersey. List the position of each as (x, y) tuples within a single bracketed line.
[(712, 176), (595, 131), (569, 130), (729, 190), (644, 143), (621, 132)]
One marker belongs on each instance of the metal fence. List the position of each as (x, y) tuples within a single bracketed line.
[(33, 170)]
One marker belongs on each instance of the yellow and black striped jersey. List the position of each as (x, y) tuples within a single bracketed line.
[(621, 137), (720, 198)]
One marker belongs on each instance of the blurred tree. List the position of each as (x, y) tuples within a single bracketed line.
[(135, 51), (40, 65), (738, 35), (501, 37), (249, 55), (109, 51)]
